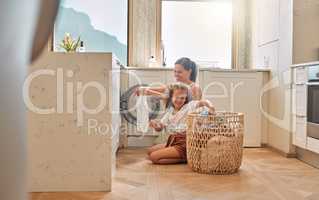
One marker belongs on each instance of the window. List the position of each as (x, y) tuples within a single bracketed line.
[(100, 24), (200, 30)]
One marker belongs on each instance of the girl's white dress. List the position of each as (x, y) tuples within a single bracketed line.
[(175, 122)]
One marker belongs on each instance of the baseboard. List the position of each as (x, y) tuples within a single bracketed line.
[(274, 149), (308, 157)]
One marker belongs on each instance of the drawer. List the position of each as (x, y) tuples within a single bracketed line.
[(300, 132), (300, 100), (301, 126), (313, 144), (300, 75)]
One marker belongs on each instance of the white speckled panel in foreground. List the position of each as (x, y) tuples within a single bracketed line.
[(63, 156)]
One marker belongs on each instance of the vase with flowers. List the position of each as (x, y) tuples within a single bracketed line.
[(69, 44)]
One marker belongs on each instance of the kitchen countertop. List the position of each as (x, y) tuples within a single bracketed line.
[(200, 69), (305, 64)]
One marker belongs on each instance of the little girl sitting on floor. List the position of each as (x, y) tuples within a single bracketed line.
[(178, 105)]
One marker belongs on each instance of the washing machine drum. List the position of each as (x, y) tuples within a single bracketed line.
[(128, 105)]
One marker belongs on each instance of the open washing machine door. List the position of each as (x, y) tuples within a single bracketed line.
[(129, 105)]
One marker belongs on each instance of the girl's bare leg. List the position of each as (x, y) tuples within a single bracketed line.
[(165, 156), (155, 148)]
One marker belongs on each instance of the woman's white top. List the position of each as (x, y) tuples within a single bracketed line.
[(175, 122)]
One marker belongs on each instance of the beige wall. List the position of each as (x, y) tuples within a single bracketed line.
[(306, 29)]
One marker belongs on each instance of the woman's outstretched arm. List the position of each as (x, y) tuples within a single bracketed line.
[(152, 91)]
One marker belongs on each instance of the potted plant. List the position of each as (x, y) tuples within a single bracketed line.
[(69, 44)]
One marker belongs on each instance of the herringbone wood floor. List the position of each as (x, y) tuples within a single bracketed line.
[(264, 175)]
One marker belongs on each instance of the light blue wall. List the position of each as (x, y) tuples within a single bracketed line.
[(101, 24)]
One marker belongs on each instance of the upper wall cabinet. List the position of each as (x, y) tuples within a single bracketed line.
[(268, 21)]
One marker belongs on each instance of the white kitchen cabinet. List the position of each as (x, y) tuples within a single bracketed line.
[(268, 21), (299, 114), (238, 92), (299, 107), (300, 131), (271, 23), (301, 100), (217, 90), (300, 76)]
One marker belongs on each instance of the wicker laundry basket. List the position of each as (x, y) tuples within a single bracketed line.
[(215, 142)]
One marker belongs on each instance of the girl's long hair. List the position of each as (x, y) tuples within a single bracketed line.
[(177, 86), (188, 64)]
